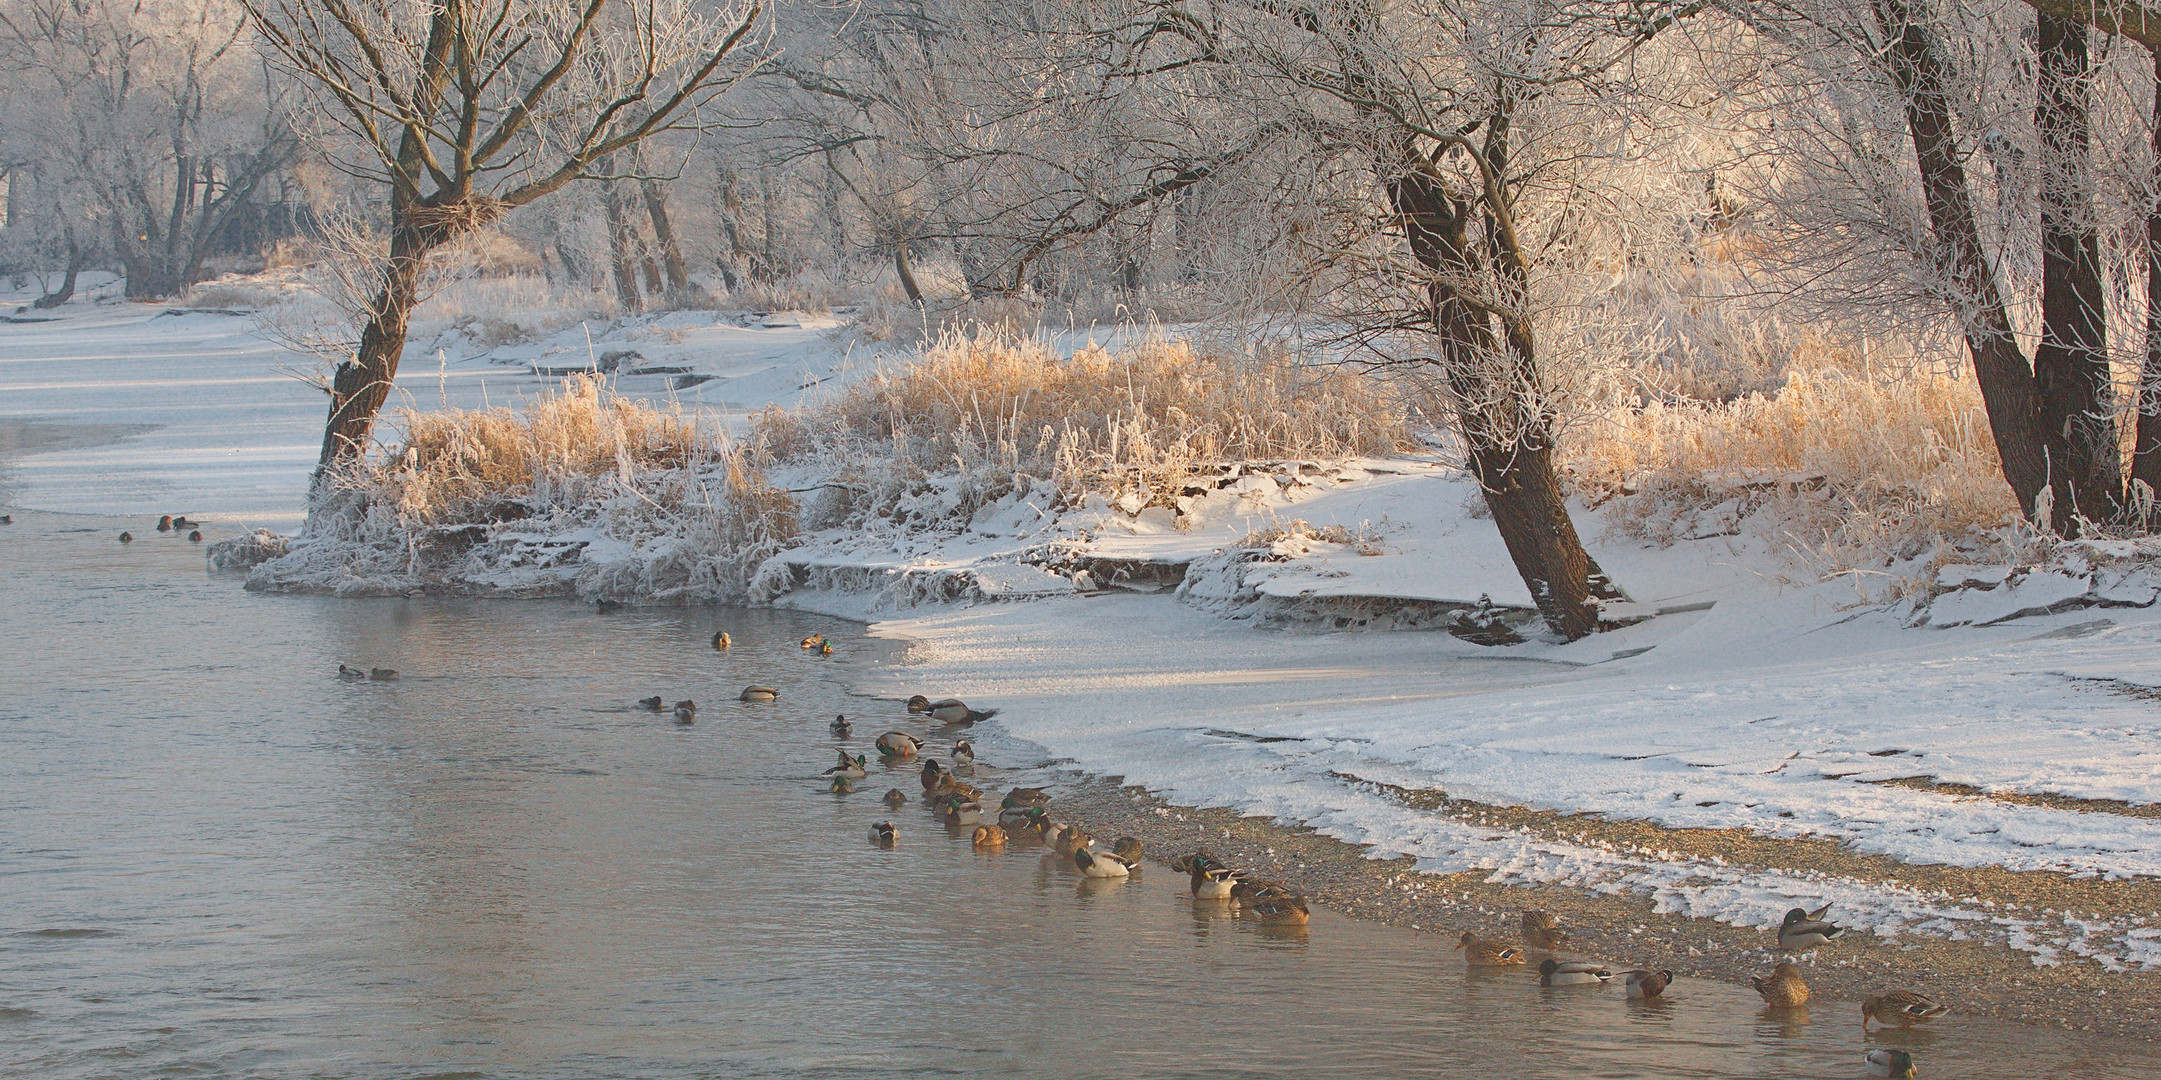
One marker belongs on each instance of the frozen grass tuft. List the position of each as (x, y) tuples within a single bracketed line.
[(1840, 470), (992, 415)]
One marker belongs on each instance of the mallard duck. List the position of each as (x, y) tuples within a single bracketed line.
[(841, 728), (1904, 1008), (180, 521), (1542, 931), (898, 745), (1022, 797), (383, 674), (1784, 989), (165, 524), (1127, 848), (960, 810), (853, 769), (1279, 906), (1648, 984), (1478, 952), (1805, 930), (963, 753), (651, 704), (825, 648), (1100, 864), (686, 711), (1896, 1063), (195, 535), (721, 640), (1024, 818), (7, 519), (884, 834), (843, 785), (127, 538), (988, 836), (1067, 839), (931, 772), (896, 798), (1553, 972), (763, 695), (814, 641), (351, 672), (952, 711), (948, 784)]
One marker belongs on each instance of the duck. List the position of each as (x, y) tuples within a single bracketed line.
[(948, 784), (896, 798), (841, 728), (825, 648), (180, 521), (1905, 1008), (931, 772), (1279, 906), (1479, 952), (1553, 972), (1542, 931), (1805, 930), (988, 836), (165, 523), (884, 834), (1127, 848), (898, 745), (843, 785), (1211, 879), (960, 810), (1023, 797), (196, 536), (1023, 819), (1066, 839), (651, 704), (686, 711), (1098, 864), (127, 538), (1784, 989), (7, 519), (721, 640), (951, 711), (1647, 984), (1896, 1063), (383, 674), (853, 768), (763, 695), (814, 641), (963, 753), (351, 672)]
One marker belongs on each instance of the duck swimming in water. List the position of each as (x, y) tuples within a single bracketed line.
[(843, 785), (1275, 904), (1647, 984), (1098, 864), (853, 768), (721, 640), (1479, 952), (651, 704), (931, 772), (1024, 797), (127, 538), (196, 536), (988, 836), (825, 648), (841, 728), (686, 711), (1127, 848), (898, 745), (1553, 972), (1893, 1063), (165, 524), (814, 641), (884, 834), (1066, 839), (762, 695), (896, 798), (383, 674), (1904, 1008), (180, 521), (963, 753), (1784, 989), (951, 711)]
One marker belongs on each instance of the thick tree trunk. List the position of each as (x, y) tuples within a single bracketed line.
[(66, 291), (1509, 439), (2146, 449), (2071, 363), (2007, 385), (671, 251), (362, 384), (622, 250)]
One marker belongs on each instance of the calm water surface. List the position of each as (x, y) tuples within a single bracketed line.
[(217, 860)]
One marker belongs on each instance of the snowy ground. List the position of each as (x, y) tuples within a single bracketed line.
[(1749, 701)]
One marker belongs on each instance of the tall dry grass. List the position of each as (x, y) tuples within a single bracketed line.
[(692, 511), (998, 413), (1846, 470)]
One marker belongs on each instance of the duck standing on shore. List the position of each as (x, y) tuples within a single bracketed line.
[(1542, 931), (963, 753), (1784, 989), (1805, 930)]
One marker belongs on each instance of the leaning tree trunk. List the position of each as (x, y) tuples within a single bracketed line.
[(2146, 449), (1510, 439), (362, 384), (2071, 363), (66, 291), (2007, 387), (906, 272)]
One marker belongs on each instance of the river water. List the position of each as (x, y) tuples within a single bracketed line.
[(219, 860)]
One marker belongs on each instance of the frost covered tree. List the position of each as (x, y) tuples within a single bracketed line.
[(143, 127), (465, 109)]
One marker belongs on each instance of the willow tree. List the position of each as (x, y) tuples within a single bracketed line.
[(466, 109)]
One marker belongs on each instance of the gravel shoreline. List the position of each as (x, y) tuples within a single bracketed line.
[(1974, 978)]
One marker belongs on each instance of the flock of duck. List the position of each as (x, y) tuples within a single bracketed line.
[(1782, 989), (166, 523)]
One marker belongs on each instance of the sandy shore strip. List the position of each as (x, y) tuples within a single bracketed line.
[(1976, 977)]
